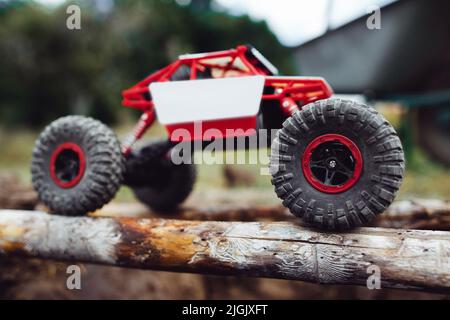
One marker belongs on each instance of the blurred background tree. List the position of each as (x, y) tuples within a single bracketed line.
[(47, 70)]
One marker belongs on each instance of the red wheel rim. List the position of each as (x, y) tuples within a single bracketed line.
[(332, 163), (67, 165)]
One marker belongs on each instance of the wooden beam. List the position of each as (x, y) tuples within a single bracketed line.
[(429, 214), (408, 259)]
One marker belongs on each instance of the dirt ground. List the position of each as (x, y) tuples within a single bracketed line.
[(43, 279)]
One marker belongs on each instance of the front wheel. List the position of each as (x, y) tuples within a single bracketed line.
[(337, 164), (77, 165)]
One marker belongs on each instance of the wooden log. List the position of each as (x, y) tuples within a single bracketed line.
[(429, 214), (408, 259), (219, 212), (425, 214)]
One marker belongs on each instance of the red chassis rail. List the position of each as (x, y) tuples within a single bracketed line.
[(291, 92)]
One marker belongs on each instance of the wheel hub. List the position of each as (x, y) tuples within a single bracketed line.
[(67, 165), (332, 163)]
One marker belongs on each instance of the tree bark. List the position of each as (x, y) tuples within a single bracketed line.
[(407, 259)]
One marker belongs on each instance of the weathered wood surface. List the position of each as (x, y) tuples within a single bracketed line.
[(408, 259)]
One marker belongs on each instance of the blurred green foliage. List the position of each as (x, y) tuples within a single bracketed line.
[(47, 70)]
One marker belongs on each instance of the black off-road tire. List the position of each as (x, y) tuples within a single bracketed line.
[(382, 168), (155, 180), (104, 165)]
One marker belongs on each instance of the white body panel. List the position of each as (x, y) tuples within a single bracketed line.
[(209, 99)]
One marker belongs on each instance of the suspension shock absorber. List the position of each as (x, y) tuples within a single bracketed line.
[(145, 121), (289, 106)]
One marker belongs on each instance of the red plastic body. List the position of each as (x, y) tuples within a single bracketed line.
[(291, 93)]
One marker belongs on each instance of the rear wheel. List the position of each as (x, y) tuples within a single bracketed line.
[(155, 180), (337, 164), (77, 165)]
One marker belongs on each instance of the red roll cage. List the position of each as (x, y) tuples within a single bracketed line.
[(291, 92)]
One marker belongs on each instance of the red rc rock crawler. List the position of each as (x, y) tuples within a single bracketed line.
[(335, 163)]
